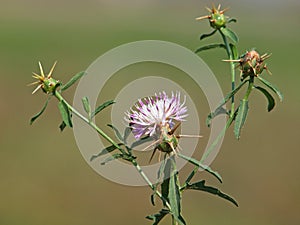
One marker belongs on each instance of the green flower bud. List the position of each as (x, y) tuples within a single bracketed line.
[(46, 83), (216, 18)]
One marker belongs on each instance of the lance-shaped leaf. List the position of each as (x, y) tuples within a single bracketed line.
[(105, 151), (117, 132), (112, 157), (102, 106), (174, 195), (159, 216), (230, 34), (200, 165), (40, 112), (200, 186), (207, 35), (86, 106), (141, 141), (72, 81), (65, 113), (220, 110), (211, 46), (164, 188), (271, 101), (127, 132), (272, 87), (241, 117), (234, 51)]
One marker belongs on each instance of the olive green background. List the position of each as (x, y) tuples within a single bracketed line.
[(43, 177)]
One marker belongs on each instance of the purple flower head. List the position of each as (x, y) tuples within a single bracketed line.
[(150, 114)]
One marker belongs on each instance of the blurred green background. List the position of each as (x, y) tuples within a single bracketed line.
[(43, 177)]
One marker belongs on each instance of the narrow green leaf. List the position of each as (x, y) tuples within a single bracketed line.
[(72, 81), (40, 112), (220, 110), (159, 176), (127, 132), (204, 167), (232, 20), (211, 46), (200, 186), (165, 184), (117, 132), (141, 141), (272, 87), (102, 106), (207, 35), (86, 105), (65, 113), (174, 195), (271, 101), (230, 34), (234, 51), (105, 151), (240, 117), (159, 216), (112, 157)]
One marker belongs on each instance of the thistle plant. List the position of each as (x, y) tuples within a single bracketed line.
[(154, 121)]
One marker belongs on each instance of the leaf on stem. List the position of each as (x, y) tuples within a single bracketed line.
[(112, 157), (72, 81), (105, 151), (159, 216), (86, 106), (65, 113), (102, 106), (141, 141), (241, 117), (127, 132), (207, 35), (230, 34), (174, 194), (199, 164), (200, 186), (272, 87), (271, 101), (117, 132), (234, 51), (210, 46), (160, 173), (220, 110), (41, 112)]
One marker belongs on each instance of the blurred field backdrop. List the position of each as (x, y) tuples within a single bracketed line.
[(43, 177)]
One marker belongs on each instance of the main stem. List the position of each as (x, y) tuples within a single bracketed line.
[(232, 69), (104, 135), (232, 111)]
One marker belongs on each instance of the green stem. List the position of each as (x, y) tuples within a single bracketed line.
[(92, 124), (232, 69), (210, 149), (139, 169), (133, 161)]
